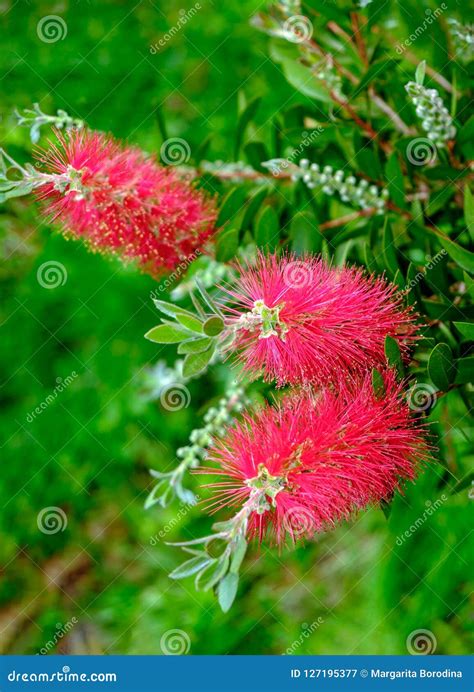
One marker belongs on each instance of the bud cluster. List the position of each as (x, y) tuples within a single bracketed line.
[(360, 193), (463, 39), (435, 117)]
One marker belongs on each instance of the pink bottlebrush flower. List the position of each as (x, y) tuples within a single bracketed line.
[(312, 461), (300, 320), (119, 201)]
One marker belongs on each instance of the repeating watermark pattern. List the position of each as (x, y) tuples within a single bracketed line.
[(184, 17), (432, 262), (51, 274), (61, 631), (51, 29), (175, 521), (278, 166), (61, 385), (421, 151), (175, 151), (296, 275), (421, 397), (298, 29), (176, 274), (431, 508), (175, 643), (175, 396), (299, 521), (421, 643), (51, 520), (430, 17), (307, 631)]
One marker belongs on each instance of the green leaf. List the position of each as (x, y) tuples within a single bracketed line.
[(469, 210), (245, 117), (167, 334), (420, 72), (393, 355), (441, 366), (227, 244), (213, 574), (303, 80), (469, 284), (378, 384), (227, 591), (463, 257), (388, 250), (194, 345), (195, 564), (466, 329), (238, 554), (254, 204), (465, 370), (194, 363), (395, 181), (231, 205), (304, 233), (213, 326), (377, 69), (190, 322), (267, 229)]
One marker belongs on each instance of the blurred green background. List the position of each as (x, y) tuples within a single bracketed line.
[(90, 450)]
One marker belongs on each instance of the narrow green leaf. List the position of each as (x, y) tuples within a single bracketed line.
[(213, 326), (170, 309), (393, 355), (227, 591), (244, 119), (194, 345), (463, 257), (190, 322), (466, 329), (167, 334), (469, 210), (254, 204), (213, 574), (378, 383), (395, 181), (304, 233), (231, 205), (267, 229), (194, 363), (420, 72), (195, 564), (388, 250), (238, 554), (465, 370), (442, 366), (227, 244)]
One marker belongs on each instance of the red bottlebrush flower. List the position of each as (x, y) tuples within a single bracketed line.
[(120, 201), (300, 320), (314, 460)]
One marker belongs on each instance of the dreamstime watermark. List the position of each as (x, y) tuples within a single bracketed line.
[(175, 396), (299, 521), (421, 151), (277, 166), (51, 520), (431, 264), (61, 385), (430, 17), (297, 274), (421, 397), (51, 274), (307, 631), (175, 275), (175, 643), (431, 508), (51, 29), (173, 522), (175, 151), (297, 29), (184, 17), (61, 631), (421, 643)]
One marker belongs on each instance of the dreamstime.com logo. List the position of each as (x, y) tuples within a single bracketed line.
[(61, 385), (184, 17), (307, 631), (175, 643), (173, 522), (63, 675), (61, 631), (430, 17), (421, 643), (51, 274), (51, 29), (176, 275), (431, 508), (51, 520)]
